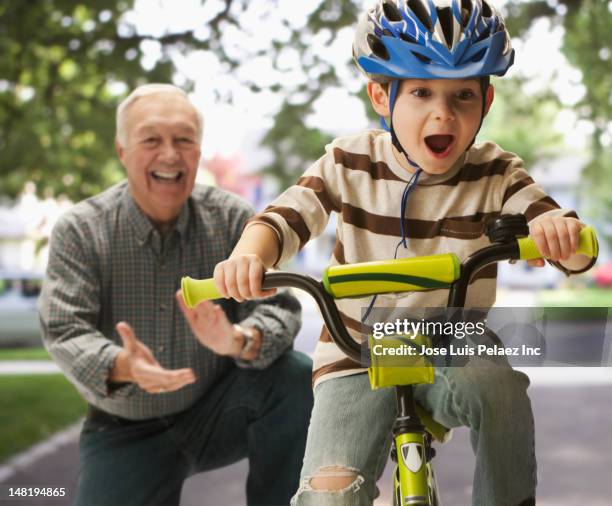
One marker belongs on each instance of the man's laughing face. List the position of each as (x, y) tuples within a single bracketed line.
[(161, 153)]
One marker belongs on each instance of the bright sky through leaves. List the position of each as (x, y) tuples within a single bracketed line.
[(538, 58)]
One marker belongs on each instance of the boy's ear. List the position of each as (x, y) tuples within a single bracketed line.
[(379, 99), (490, 95)]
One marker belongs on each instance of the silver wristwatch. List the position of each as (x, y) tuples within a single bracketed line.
[(249, 340)]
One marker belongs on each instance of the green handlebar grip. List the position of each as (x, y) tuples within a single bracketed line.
[(387, 276), (587, 246), (197, 290)]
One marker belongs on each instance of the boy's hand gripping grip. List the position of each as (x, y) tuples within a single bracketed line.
[(588, 245)]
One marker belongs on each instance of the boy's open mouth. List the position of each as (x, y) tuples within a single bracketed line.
[(440, 144)]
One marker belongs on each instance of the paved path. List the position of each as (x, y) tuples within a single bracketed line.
[(28, 367), (573, 447), (573, 412)]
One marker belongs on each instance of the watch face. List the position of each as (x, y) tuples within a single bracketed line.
[(248, 340)]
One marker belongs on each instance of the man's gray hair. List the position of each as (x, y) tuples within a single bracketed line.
[(151, 89)]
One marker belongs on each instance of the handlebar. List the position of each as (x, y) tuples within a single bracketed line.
[(390, 276)]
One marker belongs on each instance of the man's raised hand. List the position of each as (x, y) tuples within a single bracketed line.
[(136, 364)]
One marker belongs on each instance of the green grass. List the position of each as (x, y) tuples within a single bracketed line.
[(588, 303), (24, 354), (578, 297), (33, 408)]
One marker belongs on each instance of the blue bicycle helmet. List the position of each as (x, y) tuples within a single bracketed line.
[(432, 39)]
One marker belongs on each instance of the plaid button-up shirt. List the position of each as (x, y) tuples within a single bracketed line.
[(107, 263)]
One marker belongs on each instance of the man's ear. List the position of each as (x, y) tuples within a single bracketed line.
[(119, 149), (490, 95), (379, 99)]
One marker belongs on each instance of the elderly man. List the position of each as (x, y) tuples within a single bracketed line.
[(171, 391)]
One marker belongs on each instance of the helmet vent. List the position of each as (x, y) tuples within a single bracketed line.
[(422, 58), (407, 38), (420, 11), (377, 47), (466, 12), (446, 21), (487, 12), (479, 55), (391, 12), (485, 33)]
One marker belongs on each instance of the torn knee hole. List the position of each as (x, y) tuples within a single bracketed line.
[(335, 478)]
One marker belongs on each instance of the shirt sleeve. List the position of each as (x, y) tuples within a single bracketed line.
[(69, 307), (521, 194), (278, 318), (302, 212)]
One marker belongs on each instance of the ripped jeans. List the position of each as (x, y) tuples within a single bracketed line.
[(349, 437)]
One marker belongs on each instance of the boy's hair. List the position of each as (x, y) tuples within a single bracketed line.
[(143, 91)]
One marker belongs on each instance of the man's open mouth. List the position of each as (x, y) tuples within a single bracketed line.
[(167, 176), (439, 144)]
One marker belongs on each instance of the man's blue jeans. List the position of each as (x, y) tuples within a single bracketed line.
[(259, 414), (350, 432)]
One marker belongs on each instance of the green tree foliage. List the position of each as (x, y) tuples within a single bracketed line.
[(521, 123), (588, 47), (69, 63), (65, 66)]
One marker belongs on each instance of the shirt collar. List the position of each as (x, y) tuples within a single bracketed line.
[(141, 223), (183, 220)]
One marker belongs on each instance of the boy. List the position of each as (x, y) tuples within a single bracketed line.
[(427, 186)]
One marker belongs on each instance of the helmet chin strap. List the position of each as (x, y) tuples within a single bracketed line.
[(410, 185), (484, 86), (393, 89)]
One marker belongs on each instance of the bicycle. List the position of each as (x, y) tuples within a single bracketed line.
[(414, 429)]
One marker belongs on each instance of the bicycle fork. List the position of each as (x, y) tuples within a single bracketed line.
[(413, 480)]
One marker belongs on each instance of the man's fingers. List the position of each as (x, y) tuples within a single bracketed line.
[(147, 354), (175, 380), (156, 379), (187, 312), (130, 343), (204, 309)]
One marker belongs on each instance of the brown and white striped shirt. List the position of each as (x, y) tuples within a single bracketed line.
[(360, 179)]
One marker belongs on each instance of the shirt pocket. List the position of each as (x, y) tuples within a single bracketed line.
[(463, 228)]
